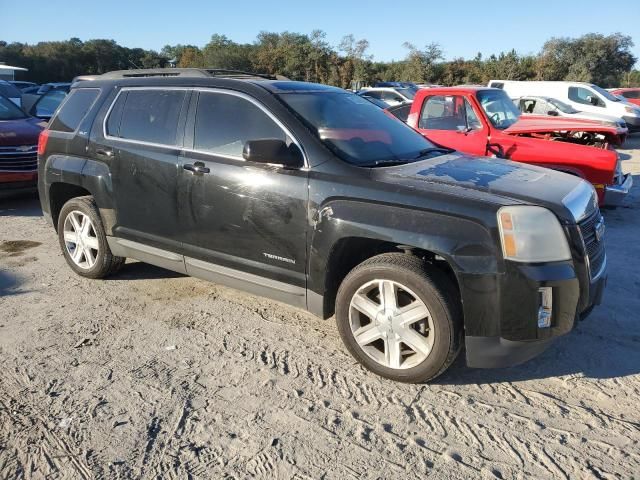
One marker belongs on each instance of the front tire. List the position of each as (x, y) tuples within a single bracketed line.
[(400, 319), (83, 239)]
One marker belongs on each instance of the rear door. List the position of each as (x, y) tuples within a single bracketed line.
[(451, 121), (143, 134), (248, 217)]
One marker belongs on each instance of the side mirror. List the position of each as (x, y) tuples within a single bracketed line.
[(271, 150), (553, 113), (592, 100)]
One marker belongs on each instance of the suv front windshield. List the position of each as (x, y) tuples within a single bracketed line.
[(501, 111), (356, 130), (9, 110)]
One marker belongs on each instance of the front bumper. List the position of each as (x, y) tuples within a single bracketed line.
[(508, 334), (633, 124), (12, 183), (614, 195)]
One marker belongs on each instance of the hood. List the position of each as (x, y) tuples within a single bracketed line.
[(23, 131), (513, 182), (545, 124), (596, 117)]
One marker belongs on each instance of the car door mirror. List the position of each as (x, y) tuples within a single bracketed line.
[(273, 151), (592, 100)]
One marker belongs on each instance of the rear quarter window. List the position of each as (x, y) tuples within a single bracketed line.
[(74, 109)]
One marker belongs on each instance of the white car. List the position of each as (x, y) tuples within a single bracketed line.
[(392, 96), (550, 106), (585, 97)]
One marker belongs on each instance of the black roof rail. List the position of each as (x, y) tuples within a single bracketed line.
[(183, 72), (222, 72)]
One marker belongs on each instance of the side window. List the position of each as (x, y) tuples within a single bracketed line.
[(74, 109), (473, 122), (584, 96), (224, 123), (631, 94), (148, 116), (444, 113), (542, 108), (373, 95), (391, 97)]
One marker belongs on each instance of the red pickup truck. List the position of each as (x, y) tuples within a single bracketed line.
[(484, 121)]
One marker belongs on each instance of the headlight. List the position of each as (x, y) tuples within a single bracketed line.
[(531, 234)]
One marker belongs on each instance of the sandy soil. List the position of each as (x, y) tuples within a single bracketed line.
[(151, 374)]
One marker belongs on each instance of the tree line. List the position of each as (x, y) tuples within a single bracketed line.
[(602, 59)]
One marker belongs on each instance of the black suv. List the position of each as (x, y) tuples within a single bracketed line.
[(315, 197)]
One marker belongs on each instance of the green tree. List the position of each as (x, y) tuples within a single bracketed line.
[(590, 58)]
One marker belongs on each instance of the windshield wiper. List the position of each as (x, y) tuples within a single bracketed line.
[(429, 151), (386, 163)]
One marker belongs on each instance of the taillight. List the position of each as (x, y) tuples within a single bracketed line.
[(42, 141)]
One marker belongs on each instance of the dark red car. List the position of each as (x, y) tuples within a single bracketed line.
[(18, 149), (631, 95)]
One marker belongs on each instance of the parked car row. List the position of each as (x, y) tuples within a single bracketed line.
[(23, 116)]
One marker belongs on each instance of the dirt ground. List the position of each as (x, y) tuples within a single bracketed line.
[(154, 375)]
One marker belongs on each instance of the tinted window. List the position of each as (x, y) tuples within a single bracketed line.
[(151, 116), (373, 94), (224, 123), (9, 110), (401, 112), (356, 130), (8, 90), (74, 109), (631, 94), (48, 103), (584, 96)]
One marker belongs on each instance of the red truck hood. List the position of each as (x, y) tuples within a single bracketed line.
[(544, 124), (24, 131)]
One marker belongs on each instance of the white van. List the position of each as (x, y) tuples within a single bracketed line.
[(585, 97)]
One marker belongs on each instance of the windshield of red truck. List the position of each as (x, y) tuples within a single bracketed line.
[(499, 108), (356, 130)]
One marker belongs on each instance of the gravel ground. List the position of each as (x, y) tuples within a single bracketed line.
[(151, 374)]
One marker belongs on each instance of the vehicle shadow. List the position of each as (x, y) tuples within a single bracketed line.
[(142, 271), (569, 355), (27, 205)]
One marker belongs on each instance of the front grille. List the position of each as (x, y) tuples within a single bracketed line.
[(19, 158), (594, 248)]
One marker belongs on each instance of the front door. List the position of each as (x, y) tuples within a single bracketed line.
[(450, 121), (243, 216)]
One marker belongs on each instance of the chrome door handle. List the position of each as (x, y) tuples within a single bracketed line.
[(197, 168)]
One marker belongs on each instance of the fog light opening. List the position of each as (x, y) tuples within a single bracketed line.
[(545, 302)]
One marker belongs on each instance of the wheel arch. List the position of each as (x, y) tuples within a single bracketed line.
[(71, 177), (341, 241)]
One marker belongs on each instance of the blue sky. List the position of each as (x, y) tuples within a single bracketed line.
[(461, 27)]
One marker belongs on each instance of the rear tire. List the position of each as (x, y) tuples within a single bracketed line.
[(83, 239), (400, 318)]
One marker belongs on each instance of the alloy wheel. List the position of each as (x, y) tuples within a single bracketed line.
[(391, 324), (81, 240)]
